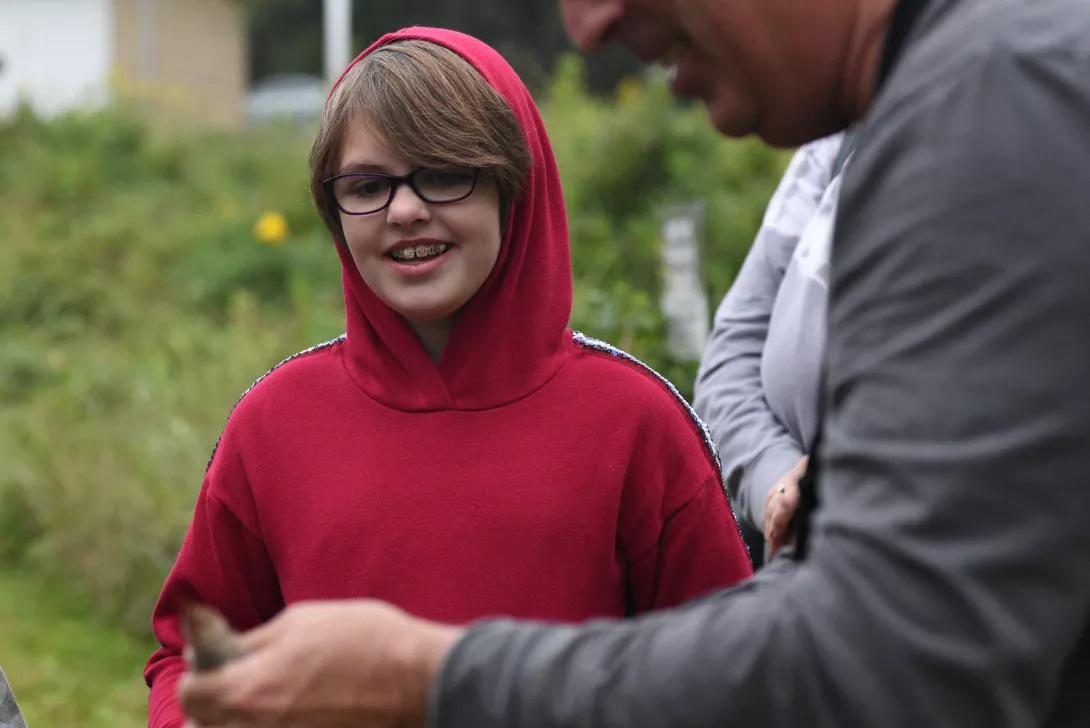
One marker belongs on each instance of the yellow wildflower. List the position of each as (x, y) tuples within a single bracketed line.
[(271, 228)]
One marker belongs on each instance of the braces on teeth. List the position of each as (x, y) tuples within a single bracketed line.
[(420, 251)]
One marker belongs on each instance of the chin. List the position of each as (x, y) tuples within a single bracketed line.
[(729, 120), (426, 312), (781, 129)]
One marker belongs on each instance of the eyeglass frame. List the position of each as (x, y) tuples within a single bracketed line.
[(395, 182)]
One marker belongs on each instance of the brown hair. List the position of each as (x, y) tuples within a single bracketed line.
[(432, 107)]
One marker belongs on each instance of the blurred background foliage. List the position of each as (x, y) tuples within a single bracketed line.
[(149, 278)]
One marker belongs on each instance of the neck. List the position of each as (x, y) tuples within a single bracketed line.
[(434, 335), (864, 57)]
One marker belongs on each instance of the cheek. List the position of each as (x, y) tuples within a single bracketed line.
[(485, 233), (361, 233), (478, 230), (483, 223)]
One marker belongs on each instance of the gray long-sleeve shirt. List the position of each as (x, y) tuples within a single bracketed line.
[(757, 388), (10, 715), (948, 577)]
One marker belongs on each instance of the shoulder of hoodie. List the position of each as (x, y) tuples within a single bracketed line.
[(643, 392), (306, 369)]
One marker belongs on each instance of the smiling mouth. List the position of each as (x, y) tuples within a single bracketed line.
[(418, 253)]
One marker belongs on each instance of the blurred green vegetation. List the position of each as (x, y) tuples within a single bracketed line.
[(140, 301), (68, 669)]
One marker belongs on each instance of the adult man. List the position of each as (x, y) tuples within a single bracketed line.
[(945, 580)]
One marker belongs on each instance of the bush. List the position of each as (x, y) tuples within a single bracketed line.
[(139, 301)]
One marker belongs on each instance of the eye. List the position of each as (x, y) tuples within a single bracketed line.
[(448, 178), (367, 186)]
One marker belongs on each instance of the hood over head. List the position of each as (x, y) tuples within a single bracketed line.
[(511, 337)]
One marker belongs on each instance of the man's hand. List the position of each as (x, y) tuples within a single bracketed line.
[(780, 505), (323, 664)]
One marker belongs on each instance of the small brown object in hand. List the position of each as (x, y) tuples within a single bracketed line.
[(209, 638)]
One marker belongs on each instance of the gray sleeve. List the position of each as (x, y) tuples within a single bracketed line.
[(755, 446), (10, 715), (947, 583)]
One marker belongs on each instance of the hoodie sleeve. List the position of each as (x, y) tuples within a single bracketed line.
[(676, 526), (223, 562), (756, 447), (699, 549)]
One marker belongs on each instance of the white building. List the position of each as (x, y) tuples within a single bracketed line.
[(187, 56)]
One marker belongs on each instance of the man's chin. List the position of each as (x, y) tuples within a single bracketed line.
[(728, 121), (797, 128)]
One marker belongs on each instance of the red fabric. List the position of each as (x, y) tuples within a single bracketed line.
[(525, 476)]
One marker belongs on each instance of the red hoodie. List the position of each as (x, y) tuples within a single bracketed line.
[(533, 473)]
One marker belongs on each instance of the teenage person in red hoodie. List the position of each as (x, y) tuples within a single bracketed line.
[(458, 452)]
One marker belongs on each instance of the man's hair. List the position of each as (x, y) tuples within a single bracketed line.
[(429, 105)]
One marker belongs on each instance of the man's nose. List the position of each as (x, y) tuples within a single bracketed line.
[(589, 22)]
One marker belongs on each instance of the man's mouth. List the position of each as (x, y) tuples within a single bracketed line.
[(417, 253)]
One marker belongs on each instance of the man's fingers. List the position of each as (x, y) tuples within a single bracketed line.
[(262, 635), (197, 697), (206, 698)]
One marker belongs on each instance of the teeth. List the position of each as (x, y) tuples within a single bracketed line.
[(420, 251)]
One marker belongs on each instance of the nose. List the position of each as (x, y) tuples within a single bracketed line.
[(590, 22), (407, 208)]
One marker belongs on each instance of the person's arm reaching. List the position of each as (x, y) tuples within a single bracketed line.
[(757, 449), (947, 583)]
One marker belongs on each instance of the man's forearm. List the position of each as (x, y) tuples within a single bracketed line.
[(785, 650)]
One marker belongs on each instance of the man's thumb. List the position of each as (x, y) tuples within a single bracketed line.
[(262, 635)]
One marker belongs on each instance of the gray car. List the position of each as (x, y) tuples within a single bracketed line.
[(295, 97)]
